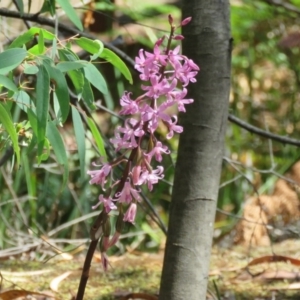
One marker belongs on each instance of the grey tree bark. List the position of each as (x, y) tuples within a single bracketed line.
[(187, 255)]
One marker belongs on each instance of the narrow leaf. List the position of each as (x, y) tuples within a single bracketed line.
[(49, 6), (30, 69), (10, 59), (59, 149), (80, 139), (93, 75), (6, 82), (20, 5), (87, 95), (41, 42), (94, 47), (37, 49), (6, 121), (70, 12), (42, 105), (29, 35), (116, 61), (76, 76), (97, 137), (61, 90), (66, 66), (23, 100)]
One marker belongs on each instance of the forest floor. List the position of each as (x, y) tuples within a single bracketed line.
[(236, 273)]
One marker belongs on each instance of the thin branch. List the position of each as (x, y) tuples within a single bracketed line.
[(261, 132), (283, 4)]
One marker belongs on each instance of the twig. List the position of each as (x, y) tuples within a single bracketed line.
[(284, 4), (261, 132)]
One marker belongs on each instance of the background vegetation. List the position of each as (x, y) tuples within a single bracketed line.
[(35, 204)]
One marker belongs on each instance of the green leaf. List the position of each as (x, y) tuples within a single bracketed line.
[(59, 149), (41, 42), (93, 75), (30, 69), (66, 66), (97, 136), (10, 59), (6, 82), (61, 90), (49, 6), (70, 12), (76, 76), (87, 95), (96, 48), (33, 121), (29, 35), (6, 121), (36, 49), (23, 100), (92, 46), (20, 5), (42, 105), (116, 61), (80, 139)]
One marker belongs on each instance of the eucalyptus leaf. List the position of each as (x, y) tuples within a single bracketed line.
[(7, 123), (66, 66), (116, 61), (71, 13), (10, 59), (80, 139), (93, 75), (97, 137), (42, 105), (61, 90), (59, 149), (29, 36), (23, 100), (87, 95), (8, 83)]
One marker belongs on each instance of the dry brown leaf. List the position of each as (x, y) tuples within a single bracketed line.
[(17, 294), (274, 258), (280, 274), (57, 280)]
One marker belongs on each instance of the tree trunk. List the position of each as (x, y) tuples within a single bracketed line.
[(187, 255)]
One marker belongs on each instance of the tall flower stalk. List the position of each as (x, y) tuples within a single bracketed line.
[(165, 74)]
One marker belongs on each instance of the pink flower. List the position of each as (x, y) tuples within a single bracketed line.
[(159, 87), (154, 115), (130, 213), (151, 177), (127, 194), (107, 203), (99, 176), (158, 150), (178, 97), (187, 72), (173, 127), (132, 129), (130, 107)]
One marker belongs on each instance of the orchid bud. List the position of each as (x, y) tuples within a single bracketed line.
[(170, 20), (186, 21), (178, 37), (160, 41)]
